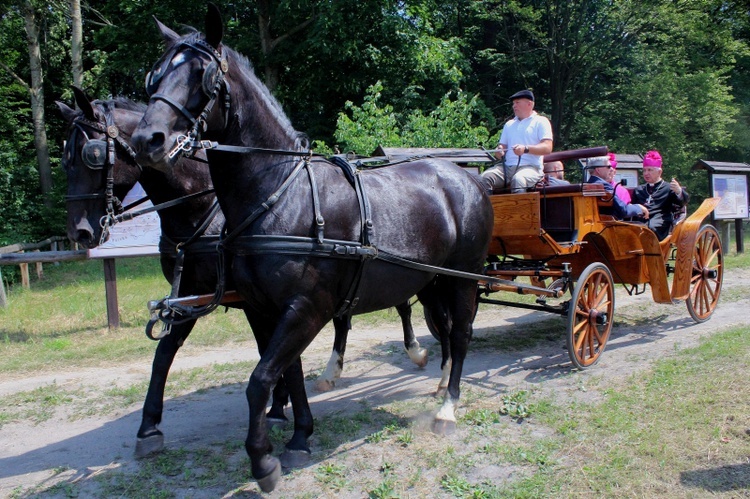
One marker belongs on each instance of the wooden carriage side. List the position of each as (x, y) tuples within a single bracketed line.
[(565, 224)]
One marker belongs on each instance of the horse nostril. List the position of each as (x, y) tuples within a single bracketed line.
[(157, 140)]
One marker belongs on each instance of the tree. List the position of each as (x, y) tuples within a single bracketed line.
[(76, 43), (36, 92)]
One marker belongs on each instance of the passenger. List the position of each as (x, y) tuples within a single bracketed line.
[(523, 142), (600, 169), (555, 173), (620, 191), (661, 198)]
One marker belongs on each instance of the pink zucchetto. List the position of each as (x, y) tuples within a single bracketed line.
[(612, 161), (652, 159)]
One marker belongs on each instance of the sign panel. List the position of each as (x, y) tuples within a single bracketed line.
[(732, 189), (136, 237), (628, 178)]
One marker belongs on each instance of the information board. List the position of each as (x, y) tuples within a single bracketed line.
[(136, 237), (732, 189)]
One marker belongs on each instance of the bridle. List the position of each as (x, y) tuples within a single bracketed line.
[(214, 82), (99, 154)]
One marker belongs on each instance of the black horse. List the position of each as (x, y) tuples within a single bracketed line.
[(88, 168), (309, 240)]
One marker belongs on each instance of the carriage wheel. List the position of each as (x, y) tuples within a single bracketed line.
[(590, 315), (708, 271)]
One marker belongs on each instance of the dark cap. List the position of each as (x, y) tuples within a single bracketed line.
[(523, 94)]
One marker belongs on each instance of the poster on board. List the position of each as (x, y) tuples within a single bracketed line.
[(627, 178), (732, 189), (136, 237)]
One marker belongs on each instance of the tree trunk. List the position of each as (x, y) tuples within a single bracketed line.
[(76, 43), (37, 102), (268, 43)]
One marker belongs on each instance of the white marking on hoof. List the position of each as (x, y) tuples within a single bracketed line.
[(327, 381), (448, 410), (445, 419), (442, 388), (418, 355), (323, 385)]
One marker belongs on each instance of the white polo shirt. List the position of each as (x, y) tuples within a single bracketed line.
[(529, 131)]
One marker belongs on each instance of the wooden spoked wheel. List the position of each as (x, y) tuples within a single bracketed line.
[(590, 315), (708, 272)]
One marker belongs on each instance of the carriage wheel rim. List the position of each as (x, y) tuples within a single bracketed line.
[(708, 270), (594, 300)]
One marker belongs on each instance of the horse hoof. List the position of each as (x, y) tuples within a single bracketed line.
[(149, 445), (268, 482), (443, 427), (324, 385), (291, 459), (274, 422), (421, 359)]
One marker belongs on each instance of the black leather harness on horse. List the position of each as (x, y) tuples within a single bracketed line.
[(213, 85)]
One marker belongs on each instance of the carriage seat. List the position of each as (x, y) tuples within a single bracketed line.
[(557, 208)]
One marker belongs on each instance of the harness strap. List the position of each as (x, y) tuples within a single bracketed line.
[(210, 144), (366, 236), (176, 105), (265, 206), (347, 250), (319, 221), (167, 204)]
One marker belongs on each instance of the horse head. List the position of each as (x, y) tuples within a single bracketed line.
[(188, 93), (202, 89), (98, 177)]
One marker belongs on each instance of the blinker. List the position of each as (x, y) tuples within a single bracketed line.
[(94, 154)]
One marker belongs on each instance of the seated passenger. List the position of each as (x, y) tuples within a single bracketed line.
[(620, 191), (661, 198), (555, 173), (600, 168)]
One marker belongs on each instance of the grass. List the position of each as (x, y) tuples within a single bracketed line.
[(678, 429), (62, 321)]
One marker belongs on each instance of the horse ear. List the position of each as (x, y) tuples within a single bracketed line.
[(68, 112), (214, 26), (84, 104), (169, 35)]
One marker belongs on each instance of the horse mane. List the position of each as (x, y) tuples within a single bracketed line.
[(127, 104), (245, 67)]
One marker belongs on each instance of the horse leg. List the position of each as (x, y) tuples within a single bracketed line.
[(297, 453), (279, 400), (417, 354), (439, 317), (296, 328), (327, 380), (150, 438), (461, 298)]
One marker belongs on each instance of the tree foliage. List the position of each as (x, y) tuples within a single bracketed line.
[(374, 124)]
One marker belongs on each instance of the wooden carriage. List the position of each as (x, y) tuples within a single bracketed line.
[(572, 252), (560, 239)]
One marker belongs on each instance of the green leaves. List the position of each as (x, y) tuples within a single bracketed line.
[(451, 124)]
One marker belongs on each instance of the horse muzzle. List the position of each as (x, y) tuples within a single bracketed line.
[(83, 234)]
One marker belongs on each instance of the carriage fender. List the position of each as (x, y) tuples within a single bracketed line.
[(686, 236)]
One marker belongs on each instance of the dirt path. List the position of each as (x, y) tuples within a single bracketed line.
[(33, 455)]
